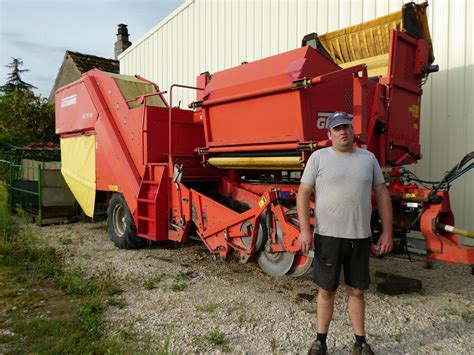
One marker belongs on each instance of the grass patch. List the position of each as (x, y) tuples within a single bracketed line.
[(466, 315), (215, 337), (126, 334), (207, 308), (374, 337), (118, 302), (398, 337), (274, 345), (45, 308), (151, 284), (66, 241), (309, 309), (243, 319), (179, 285), (164, 348), (180, 282)]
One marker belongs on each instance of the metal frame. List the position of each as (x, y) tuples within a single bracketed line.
[(11, 188)]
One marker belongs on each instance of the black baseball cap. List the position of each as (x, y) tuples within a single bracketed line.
[(338, 118)]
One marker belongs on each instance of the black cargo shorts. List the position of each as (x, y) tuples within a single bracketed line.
[(330, 254)]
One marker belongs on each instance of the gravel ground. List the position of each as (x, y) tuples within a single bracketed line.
[(179, 293)]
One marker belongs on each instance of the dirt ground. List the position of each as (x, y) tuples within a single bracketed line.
[(177, 298)]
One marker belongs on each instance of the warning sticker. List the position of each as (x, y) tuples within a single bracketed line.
[(448, 228), (414, 110), (262, 202)]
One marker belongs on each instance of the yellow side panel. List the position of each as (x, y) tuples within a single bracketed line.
[(78, 169), (368, 39), (376, 66)]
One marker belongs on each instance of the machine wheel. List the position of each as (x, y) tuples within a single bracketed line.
[(275, 264), (122, 229), (302, 263), (261, 234)]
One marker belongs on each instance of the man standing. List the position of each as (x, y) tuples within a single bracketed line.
[(343, 178)]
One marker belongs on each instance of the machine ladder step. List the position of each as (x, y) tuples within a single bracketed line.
[(141, 218), (150, 182), (146, 200), (151, 204)]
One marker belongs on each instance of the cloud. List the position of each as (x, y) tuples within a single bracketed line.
[(37, 47), (40, 31), (12, 35)]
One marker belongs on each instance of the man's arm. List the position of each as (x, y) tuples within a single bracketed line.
[(384, 207), (302, 203)]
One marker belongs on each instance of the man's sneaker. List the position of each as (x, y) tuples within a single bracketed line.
[(363, 349), (317, 348)]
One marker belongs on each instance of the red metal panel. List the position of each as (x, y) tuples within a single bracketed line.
[(403, 120), (105, 178), (128, 123), (278, 117), (319, 101), (109, 139), (186, 134), (275, 118), (74, 109), (443, 246)]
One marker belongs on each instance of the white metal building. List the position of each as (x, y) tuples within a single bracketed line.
[(211, 35)]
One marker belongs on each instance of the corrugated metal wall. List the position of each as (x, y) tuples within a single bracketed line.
[(211, 35)]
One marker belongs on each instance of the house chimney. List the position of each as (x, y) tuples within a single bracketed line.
[(122, 40)]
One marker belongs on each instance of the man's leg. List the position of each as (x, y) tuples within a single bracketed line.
[(325, 308), (356, 307), (327, 268), (357, 277)]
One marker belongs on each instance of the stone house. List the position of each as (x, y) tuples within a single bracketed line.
[(75, 64)]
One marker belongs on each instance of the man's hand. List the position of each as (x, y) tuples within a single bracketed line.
[(302, 202), (384, 206), (306, 242), (385, 243)]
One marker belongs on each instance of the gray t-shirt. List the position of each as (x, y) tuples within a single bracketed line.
[(343, 184)]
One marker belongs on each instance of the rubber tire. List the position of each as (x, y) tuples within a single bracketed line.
[(128, 239)]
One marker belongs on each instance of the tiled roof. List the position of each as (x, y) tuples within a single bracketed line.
[(86, 62)]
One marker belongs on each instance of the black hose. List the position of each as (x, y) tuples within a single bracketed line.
[(450, 174), (460, 173), (410, 226)]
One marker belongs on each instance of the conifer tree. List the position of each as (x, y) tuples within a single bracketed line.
[(14, 80)]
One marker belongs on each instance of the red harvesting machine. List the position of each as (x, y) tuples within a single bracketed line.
[(228, 169)]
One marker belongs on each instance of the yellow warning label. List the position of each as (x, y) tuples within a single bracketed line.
[(113, 187), (410, 195), (262, 202), (414, 110)]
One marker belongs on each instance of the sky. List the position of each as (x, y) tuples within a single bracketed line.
[(39, 32)]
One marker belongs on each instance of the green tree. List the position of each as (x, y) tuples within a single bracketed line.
[(24, 117), (14, 81)]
